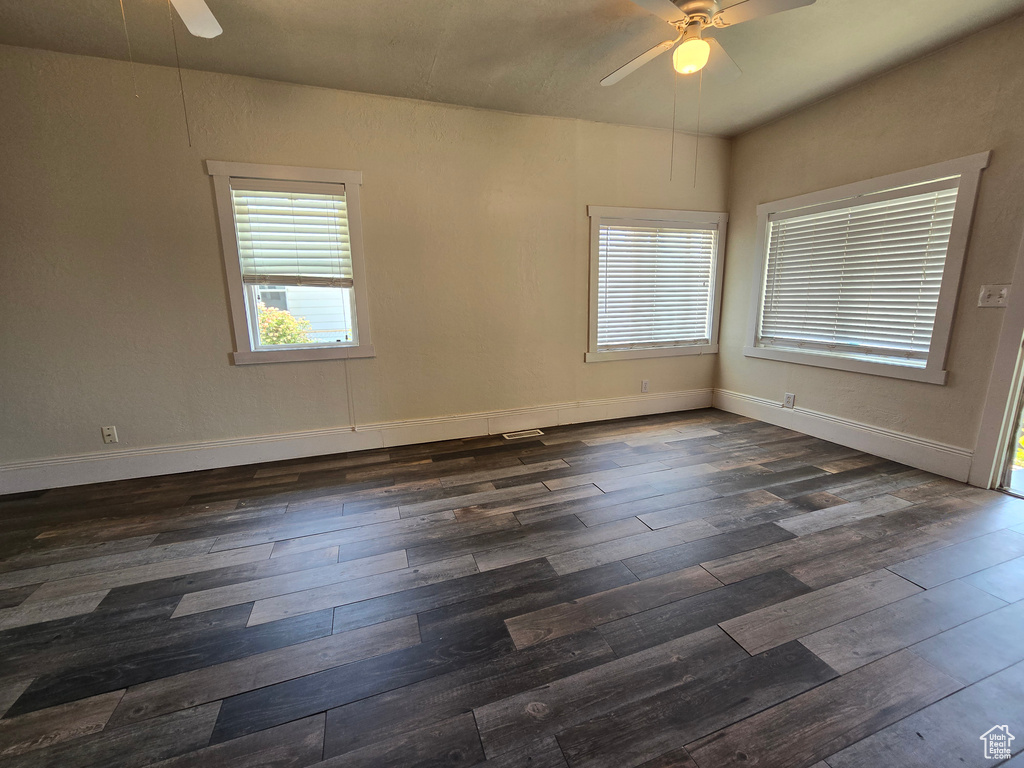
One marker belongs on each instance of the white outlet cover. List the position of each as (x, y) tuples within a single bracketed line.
[(993, 295)]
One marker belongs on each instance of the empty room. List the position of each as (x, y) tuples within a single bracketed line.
[(539, 384)]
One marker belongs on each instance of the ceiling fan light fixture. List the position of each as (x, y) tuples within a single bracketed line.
[(691, 56)]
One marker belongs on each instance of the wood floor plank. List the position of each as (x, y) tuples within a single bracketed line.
[(103, 563), (80, 585), (509, 723), (10, 690), (453, 743), (799, 616), (679, 556), (381, 529), (740, 503), (522, 506), (134, 594), (751, 562), (490, 612), (34, 611), (478, 543), (481, 497), (129, 663), (130, 747), (647, 500), (977, 648), (11, 598), (289, 529), (691, 614), (553, 545), (1005, 581), (271, 586), (872, 635), (842, 514), (674, 758), (220, 681), (627, 547), (465, 478), (961, 559), (362, 723), (946, 732), (642, 730), (304, 696), (869, 555), (603, 477), (292, 745), (56, 724), (445, 593), (807, 728), (566, 618), (332, 595), (543, 753), (59, 555)]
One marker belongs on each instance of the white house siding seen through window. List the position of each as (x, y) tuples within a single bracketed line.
[(860, 280), (656, 284)]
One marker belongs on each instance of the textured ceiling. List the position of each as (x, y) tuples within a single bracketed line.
[(534, 56)]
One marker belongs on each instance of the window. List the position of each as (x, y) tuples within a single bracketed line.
[(655, 282), (293, 252), (865, 277)]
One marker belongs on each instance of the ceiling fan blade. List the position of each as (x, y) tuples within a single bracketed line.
[(638, 62), (755, 9), (720, 64), (664, 8), (198, 18)]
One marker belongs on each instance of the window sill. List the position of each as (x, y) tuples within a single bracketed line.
[(633, 354), (846, 364), (301, 355)]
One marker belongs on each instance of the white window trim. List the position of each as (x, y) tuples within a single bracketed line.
[(244, 354), (597, 213), (969, 170)]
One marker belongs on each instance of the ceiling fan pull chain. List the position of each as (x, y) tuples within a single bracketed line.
[(696, 144), (675, 93), (131, 59), (177, 61)]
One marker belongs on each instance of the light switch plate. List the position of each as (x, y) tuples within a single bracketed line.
[(993, 295)]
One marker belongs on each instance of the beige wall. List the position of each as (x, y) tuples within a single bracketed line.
[(962, 100), (112, 294)]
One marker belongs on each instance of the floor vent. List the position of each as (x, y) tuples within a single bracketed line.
[(522, 433)]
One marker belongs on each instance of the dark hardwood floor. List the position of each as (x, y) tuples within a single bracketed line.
[(691, 589)]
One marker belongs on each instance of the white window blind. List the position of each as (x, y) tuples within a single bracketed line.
[(859, 280), (655, 284), (293, 237)]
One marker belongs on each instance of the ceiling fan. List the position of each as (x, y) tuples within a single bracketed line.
[(198, 18), (692, 18)]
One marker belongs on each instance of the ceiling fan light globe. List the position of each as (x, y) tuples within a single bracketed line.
[(691, 56)]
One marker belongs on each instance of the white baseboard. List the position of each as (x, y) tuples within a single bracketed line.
[(128, 463), (939, 458)]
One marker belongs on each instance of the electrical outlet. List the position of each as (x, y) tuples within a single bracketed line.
[(644, 385), (790, 400), (993, 295), (109, 434)]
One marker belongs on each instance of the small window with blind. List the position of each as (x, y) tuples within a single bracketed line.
[(865, 277), (293, 254), (655, 282)]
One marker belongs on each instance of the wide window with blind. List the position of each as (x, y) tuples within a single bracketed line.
[(293, 255), (865, 277), (655, 282)]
